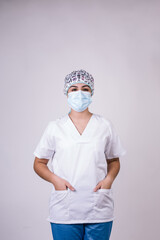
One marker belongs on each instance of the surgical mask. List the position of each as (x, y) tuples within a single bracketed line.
[(79, 100)]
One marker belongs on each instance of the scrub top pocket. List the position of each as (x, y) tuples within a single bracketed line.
[(103, 203), (58, 206)]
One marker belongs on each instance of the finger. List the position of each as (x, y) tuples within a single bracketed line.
[(70, 186), (97, 187)]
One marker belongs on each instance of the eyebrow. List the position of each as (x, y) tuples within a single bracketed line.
[(82, 86)]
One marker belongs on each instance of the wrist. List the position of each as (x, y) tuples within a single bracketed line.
[(53, 178), (109, 179)]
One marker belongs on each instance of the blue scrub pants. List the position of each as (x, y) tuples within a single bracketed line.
[(82, 231)]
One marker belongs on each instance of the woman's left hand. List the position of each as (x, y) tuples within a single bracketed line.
[(105, 184)]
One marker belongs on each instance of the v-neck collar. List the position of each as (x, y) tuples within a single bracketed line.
[(75, 131)]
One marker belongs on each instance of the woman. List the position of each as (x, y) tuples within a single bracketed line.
[(84, 149)]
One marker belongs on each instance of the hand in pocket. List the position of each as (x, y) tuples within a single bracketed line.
[(103, 184), (61, 184)]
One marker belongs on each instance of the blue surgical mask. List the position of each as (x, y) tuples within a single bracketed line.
[(79, 100)]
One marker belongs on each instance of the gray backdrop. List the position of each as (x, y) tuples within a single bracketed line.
[(118, 43)]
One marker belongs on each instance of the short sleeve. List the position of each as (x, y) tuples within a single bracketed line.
[(114, 147), (46, 146)]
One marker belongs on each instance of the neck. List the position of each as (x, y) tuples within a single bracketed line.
[(80, 115)]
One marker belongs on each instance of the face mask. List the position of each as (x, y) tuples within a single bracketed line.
[(79, 100)]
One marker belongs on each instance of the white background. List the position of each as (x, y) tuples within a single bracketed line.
[(118, 42)]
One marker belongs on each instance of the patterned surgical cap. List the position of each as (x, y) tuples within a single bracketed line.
[(79, 76)]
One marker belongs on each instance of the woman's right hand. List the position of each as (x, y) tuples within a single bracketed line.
[(61, 184)]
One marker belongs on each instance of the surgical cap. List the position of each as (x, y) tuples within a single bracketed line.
[(79, 76)]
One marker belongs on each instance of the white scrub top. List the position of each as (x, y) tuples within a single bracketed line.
[(81, 160)]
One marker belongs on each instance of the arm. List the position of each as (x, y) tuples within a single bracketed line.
[(113, 168), (41, 168)]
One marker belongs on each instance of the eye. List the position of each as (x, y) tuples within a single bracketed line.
[(74, 89), (85, 89)]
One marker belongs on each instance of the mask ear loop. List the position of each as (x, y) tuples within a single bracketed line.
[(70, 108)]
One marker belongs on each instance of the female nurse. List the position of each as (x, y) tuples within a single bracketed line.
[(84, 150)]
